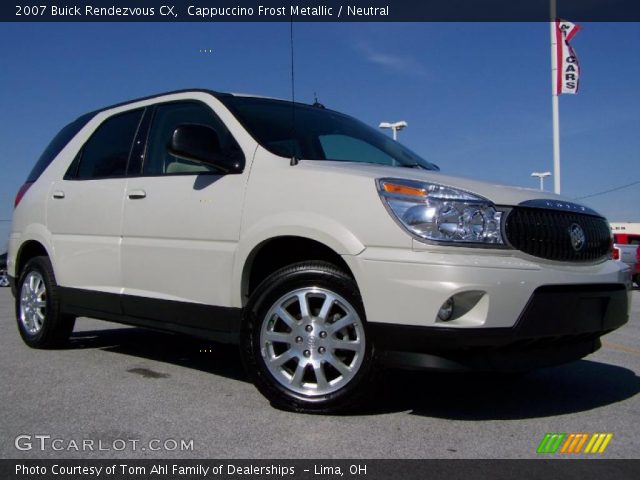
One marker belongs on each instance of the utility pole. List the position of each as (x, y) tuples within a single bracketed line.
[(554, 97)]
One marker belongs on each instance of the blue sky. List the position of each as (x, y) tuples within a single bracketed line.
[(476, 96)]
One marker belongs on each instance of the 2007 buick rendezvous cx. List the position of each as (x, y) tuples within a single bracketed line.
[(321, 247)]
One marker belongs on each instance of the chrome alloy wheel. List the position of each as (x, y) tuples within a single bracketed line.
[(33, 302), (312, 341)]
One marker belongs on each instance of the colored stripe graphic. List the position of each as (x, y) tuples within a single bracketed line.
[(568, 442), (574, 443), (551, 442), (581, 443), (598, 443)]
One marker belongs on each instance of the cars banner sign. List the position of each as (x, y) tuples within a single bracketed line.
[(568, 67)]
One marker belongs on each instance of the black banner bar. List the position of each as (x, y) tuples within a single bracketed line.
[(317, 11), (122, 469)]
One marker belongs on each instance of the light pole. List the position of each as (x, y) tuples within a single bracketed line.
[(541, 176), (395, 127)]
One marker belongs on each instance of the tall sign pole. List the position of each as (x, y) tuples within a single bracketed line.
[(554, 98)]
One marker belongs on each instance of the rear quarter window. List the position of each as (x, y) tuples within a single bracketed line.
[(56, 145)]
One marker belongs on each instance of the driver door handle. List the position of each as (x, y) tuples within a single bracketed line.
[(137, 194)]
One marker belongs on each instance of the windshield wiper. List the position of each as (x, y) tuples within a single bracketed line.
[(414, 165)]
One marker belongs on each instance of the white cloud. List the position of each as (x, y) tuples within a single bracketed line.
[(404, 64)]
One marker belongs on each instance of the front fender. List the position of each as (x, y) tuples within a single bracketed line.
[(306, 225)]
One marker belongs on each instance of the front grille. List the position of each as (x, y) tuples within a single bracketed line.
[(545, 234)]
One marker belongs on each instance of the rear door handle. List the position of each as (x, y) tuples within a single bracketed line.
[(137, 194), (58, 194)]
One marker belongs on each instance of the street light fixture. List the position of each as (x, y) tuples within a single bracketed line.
[(395, 127), (541, 176)]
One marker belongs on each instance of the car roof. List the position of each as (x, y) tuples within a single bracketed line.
[(214, 93), (159, 95)]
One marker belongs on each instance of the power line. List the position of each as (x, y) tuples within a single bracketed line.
[(610, 190)]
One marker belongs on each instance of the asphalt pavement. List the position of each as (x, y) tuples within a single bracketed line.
[(121, 392)]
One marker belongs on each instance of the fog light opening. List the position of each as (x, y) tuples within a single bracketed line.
[(446, 310)]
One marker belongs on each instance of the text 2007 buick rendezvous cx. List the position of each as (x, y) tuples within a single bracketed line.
[(322, 247)]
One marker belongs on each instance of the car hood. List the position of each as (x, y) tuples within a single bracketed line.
[(496, 193)]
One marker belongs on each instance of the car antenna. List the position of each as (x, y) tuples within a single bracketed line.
[(294, 158), (316, 103)]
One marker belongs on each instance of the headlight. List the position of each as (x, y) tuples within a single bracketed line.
[(442, 214)]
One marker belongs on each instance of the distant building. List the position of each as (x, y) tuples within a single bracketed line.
[(625, 227)]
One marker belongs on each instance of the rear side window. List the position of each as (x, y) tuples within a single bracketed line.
[(57, 144), (106, 153)]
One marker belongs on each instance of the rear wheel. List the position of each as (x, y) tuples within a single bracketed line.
[(40, 322), (304, 339)]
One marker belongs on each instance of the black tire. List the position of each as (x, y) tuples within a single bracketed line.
[(353, 386), (55, 327)]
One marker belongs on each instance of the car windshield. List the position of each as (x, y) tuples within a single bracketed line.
[(315, 133)]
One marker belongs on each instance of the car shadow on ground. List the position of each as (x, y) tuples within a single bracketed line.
[(182, 350), (576, 387)]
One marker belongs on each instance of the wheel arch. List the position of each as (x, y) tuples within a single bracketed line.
[(277, 252), (28, 250)]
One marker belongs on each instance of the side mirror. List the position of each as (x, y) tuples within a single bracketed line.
[(200, 143)]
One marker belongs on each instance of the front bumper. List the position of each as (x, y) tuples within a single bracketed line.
[(512, 312), (560, 324)]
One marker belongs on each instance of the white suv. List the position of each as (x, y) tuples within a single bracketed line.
[(319, 245)]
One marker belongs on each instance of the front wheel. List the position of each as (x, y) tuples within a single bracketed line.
[(40, 322), (304, 339)]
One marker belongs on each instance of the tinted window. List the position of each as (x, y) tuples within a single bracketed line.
[(57, 144), (314, 133), (107, 151), (349, 149), (158, 160)]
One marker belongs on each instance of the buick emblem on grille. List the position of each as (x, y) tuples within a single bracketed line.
[(578, 239)]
